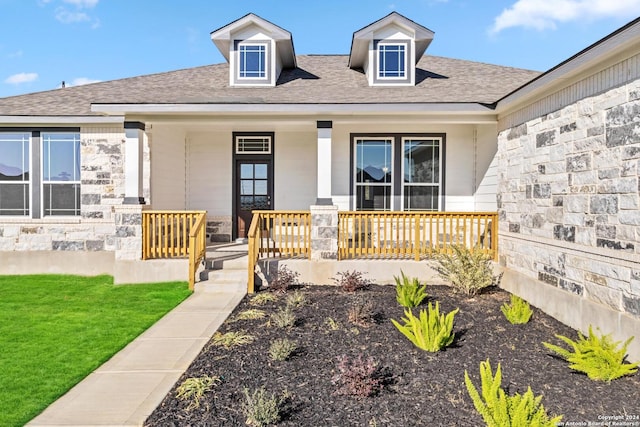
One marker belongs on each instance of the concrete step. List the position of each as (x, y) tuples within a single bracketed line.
[(237, 262)]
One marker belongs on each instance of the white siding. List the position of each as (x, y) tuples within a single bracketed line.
[(167, 168), (295, 162), (486, 169), (209, 168)]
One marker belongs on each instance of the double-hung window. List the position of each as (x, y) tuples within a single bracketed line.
[(398, 172), (252, 61), (421, 174), (14, 174), (374, 173), (61, 174)]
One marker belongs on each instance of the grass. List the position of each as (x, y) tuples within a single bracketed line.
[(55, 330)]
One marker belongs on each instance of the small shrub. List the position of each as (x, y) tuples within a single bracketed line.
[(333, 324), (281, 349), (361, 312), (193, 389), (518, 312), (232, 339), (409, 292), (357, 377), (263, 298), (432, 331), (250, 314), (351, 281), (468, 270), (499, 409), (262, 408), (283, 279), (296, 299), (283, 318), (598, 357)]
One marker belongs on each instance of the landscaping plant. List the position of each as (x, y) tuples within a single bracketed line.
[(518, 311), (357, 377), (351, 281), (283, 279), (193, 389), (296, 300), (263, 298), (431, 331), (231, 339), (262, 408), (361, 312), (501, 410), (409, 292), (281, 349), (283, 318), (250, 314), (597, 356), (468, 270)]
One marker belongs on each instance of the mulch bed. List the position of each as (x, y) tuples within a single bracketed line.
[(422, 388)]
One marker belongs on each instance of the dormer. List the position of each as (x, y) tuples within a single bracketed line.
[(256, 50), (389, 49)]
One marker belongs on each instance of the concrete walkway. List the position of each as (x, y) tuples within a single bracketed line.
[(127, 388)]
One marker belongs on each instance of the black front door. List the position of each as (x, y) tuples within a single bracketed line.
[(253, 191)]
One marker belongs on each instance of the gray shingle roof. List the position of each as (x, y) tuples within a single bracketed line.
[(319, 79)]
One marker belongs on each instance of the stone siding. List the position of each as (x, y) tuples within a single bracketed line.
[(568, 198), (219, 229)]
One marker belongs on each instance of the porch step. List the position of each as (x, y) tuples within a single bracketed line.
[(223, 281)]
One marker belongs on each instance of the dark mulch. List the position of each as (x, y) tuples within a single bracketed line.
[(424, 389)]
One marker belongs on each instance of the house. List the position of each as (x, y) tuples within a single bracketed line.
[(387, 128)]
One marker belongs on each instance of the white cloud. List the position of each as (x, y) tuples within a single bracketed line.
[(16, 54), (88, 4), (546, 14), (67, 17), (20, 78), (79, 81)]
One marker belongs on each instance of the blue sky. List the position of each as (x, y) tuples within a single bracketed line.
[(43, 42)]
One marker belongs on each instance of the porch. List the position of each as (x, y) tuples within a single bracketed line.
[(321, 234)]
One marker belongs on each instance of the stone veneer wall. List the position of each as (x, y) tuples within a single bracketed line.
[(102, 190), (568, 198), (219, 229)]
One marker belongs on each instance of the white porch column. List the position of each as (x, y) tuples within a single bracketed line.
[(133, 158), (324, 162)]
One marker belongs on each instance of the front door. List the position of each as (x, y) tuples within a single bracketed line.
[(254, 191)]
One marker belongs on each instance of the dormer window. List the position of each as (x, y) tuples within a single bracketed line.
[(252, 61), (392, 60)]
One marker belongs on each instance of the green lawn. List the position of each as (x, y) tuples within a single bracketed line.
[(55, 330)]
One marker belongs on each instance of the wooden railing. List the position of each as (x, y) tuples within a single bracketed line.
[(175, 234), (277, 234), (374, 234)]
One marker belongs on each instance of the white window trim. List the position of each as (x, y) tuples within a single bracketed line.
[(29, 182), (379, 64), (390, 139), (265, 47), (402, 171), (43, 181)]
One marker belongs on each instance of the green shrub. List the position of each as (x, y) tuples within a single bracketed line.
[(432, 331), (500, 410), (263, 298), (409, 292), (296, 299), (357, 377), (468, 270), (518, 312), (194, 389), (351, 281), (598, 357), (281, 349), (262, 408), (231, 339), (283, 318)]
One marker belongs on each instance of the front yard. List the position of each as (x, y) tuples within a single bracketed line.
[(55, 330), (419, 388)]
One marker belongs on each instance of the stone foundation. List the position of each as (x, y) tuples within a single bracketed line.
[(219, 229)]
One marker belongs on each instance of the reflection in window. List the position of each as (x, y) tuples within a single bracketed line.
[(421, 174), (373, 174), (14, 174), (391, 60), (252, 61), (61, 173)]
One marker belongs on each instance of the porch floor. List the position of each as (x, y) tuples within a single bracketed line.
[(128, 387)]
